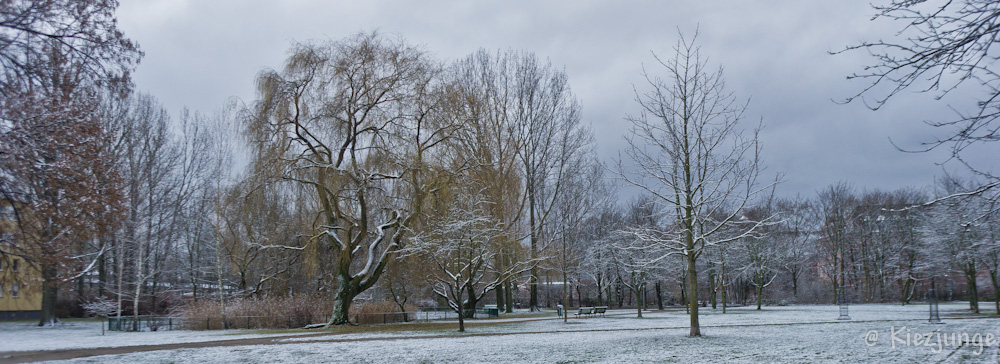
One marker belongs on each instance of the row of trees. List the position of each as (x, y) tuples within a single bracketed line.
[(882, 246), (359, 147), (388, 144), (373, 170)]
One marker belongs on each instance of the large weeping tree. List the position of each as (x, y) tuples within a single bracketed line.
[(688, 149), (349, 121)]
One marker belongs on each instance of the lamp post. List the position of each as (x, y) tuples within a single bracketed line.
[(842, 297)]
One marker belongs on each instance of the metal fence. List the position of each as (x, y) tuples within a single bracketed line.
[(143, 323), (162, 323), (449, 314)]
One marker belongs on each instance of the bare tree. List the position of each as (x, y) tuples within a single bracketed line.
[(83, 30), (763, 253), (941, 45), (259, 235), (458, 243), (834, 207), (795, 235), (524, 131), (632, 258), (991, 258), (957, 235), (549, 114), (583, 191), (688, 150), (597, 261)]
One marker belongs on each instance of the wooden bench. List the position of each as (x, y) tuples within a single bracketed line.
[(600, 310), (585, 311)]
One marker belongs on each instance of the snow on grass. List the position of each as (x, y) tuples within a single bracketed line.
[(743, 335), (823, 343), (27, 336)]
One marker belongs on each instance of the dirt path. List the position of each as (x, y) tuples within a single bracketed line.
[(32, 356)]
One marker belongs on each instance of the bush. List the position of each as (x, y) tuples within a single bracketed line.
[(381, 313), (256, 313), (284, 313)]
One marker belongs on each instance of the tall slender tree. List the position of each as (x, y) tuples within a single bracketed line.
[(688, 149)]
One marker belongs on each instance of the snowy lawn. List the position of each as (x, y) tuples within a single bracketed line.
[(877, 333), (27, 336)]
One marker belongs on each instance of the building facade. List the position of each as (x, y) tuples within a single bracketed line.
[(20, 289)]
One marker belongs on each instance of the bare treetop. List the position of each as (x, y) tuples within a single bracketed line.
[(941, 46), (83, 31)]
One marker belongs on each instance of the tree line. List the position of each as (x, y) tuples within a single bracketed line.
[(367, 170)]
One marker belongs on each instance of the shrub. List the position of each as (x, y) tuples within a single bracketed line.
[(256, 313), (381, 313), (284, 313)]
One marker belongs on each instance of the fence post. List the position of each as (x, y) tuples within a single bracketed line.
[(208, 325)]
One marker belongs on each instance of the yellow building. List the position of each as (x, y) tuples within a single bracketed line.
[(20, 289), (20, 280)]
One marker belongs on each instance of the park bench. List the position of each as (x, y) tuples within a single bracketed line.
[(585, 311), (600, 310)]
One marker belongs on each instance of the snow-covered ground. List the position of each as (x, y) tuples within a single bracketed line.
[(27, 336), (876, 333)]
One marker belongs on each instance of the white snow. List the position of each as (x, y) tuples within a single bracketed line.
[(775, 334), (27, 336)]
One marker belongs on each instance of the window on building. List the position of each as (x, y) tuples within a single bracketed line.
[(13, 266), (14, 290), (1, 290)]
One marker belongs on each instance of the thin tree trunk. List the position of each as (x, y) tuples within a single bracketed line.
[(499, 293), (565, 300), (50, 291), (973, 293), (638, 302), (684, 296), (120, 250), (461, 310), (760, 294), (138, 282), (692, 287), (713, 287), (579, 296), (996, 289), (795, 284), (102, 272), (533, 280), (511, 288), (659, 296), (600, 292)]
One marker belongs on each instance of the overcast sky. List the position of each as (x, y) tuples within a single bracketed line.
[(199, 53)]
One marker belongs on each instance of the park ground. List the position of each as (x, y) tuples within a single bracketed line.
[(794, 334)]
